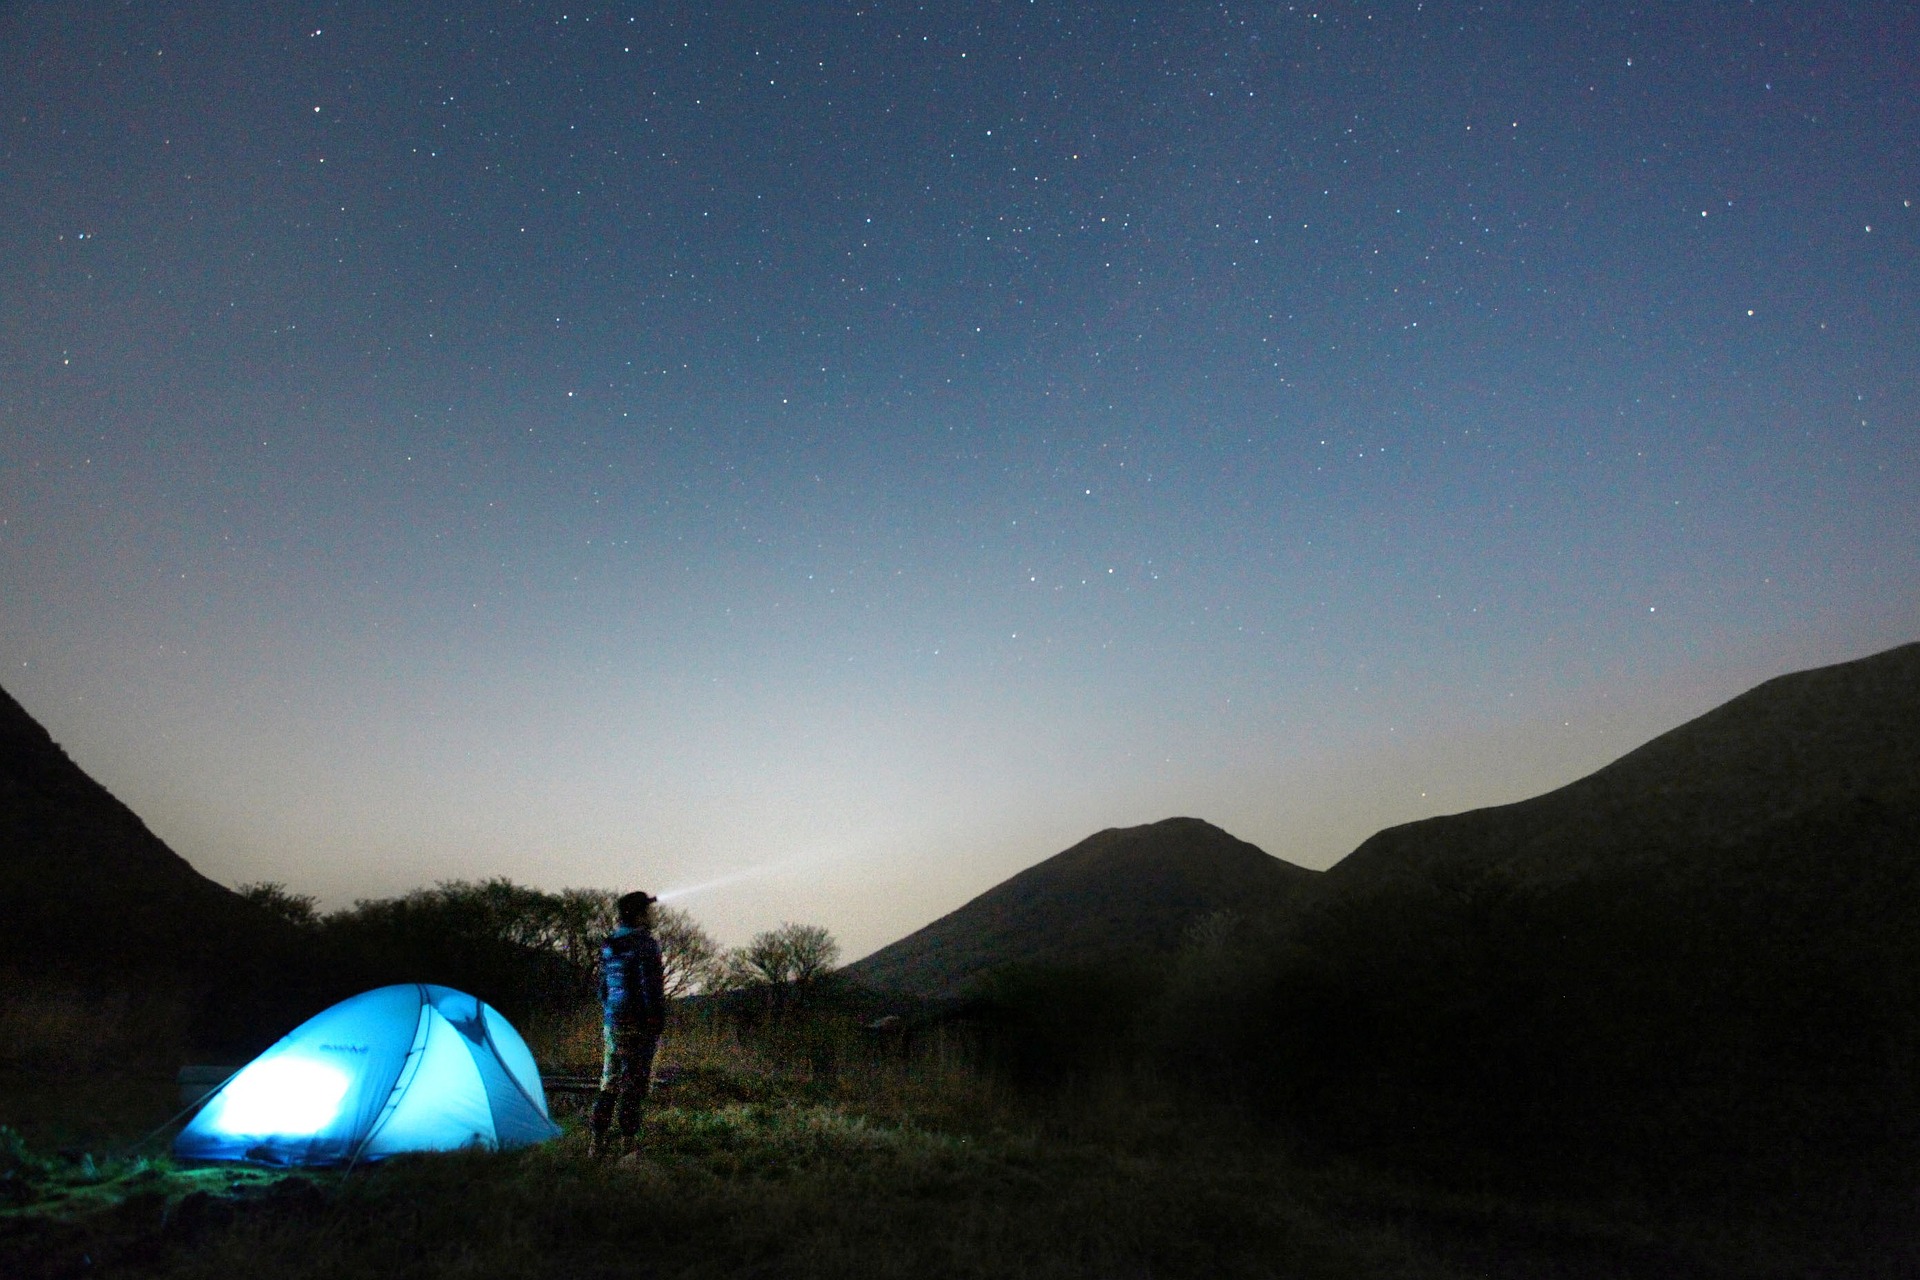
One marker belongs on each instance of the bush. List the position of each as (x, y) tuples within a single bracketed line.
[(1048, 1026)]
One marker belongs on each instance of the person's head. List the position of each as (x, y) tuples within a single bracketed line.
[(635, 909)]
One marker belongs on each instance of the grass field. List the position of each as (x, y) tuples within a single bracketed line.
[(771, 1159)]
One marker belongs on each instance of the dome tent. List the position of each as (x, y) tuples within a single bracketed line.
[(413, 1067)]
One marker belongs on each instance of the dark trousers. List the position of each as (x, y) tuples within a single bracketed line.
[(626, 1071)]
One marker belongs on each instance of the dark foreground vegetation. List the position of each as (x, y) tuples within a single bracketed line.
[(897, 1159), (1734, 1039), (1747, 1025), (788, 1140), (1701, 1068), (1167, 1121)]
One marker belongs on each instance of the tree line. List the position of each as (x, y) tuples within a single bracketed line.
[(525, 947)]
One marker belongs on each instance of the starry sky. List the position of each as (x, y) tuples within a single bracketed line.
[(825, 457)]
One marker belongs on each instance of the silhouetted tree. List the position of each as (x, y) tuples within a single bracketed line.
[(811, 952), (581, 918), (688, 953), (297, 908), (506, 941), (785, 961)]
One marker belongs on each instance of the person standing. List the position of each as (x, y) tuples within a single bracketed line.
[(634, 1004)]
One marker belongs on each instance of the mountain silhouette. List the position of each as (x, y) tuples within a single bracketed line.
[(1120, 893), (1695, 968), (1846, 735), (85, 884), (1834, 751), (92, 900)]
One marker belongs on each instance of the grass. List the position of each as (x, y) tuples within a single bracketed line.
[(765, 1155), (811, 1151), (774, 1186)]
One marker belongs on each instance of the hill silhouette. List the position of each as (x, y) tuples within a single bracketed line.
[(1694, 970), (1797, 744), (1831, 749), (1120, 893), (85, 885)]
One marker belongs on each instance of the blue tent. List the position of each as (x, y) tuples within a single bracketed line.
[(407, 1068)]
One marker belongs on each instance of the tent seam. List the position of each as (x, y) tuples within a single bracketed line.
[(486, 1034), (417, 1053)]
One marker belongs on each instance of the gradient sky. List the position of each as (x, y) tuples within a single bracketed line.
[(849, 452)]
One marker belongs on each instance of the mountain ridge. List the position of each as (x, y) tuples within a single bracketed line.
[(1123, 891), (77, 863), (1782, 747), (1799, 748)]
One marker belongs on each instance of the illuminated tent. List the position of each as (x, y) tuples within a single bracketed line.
[(407, 1068)]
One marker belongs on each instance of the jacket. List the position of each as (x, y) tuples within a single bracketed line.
[(632, 981)]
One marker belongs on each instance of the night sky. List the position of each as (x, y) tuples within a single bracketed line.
[(850, 452)]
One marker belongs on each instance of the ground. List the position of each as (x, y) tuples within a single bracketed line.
[(760, 1174), (788, 1153)]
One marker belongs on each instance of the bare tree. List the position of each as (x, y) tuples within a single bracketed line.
[(785, 960), (579, 920), (688, 953), (763, 961), (732, 972), (811, 952)]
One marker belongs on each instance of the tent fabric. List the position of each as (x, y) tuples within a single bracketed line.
[(414, 1067)]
